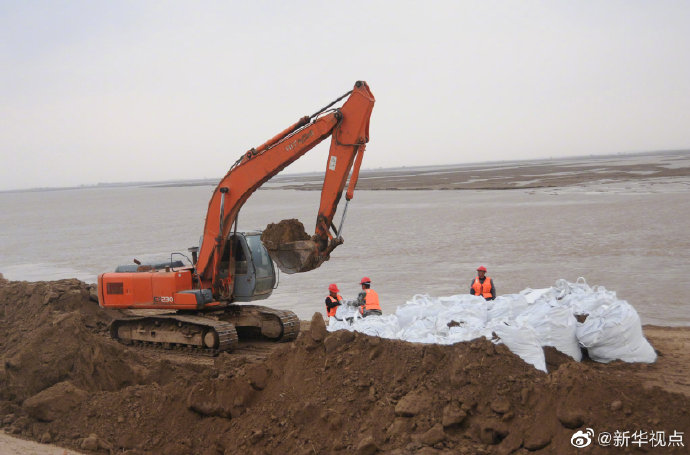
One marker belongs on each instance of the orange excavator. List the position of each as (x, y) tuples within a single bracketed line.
[(201, 297)]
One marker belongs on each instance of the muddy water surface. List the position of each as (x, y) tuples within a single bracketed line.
[(407, 242)]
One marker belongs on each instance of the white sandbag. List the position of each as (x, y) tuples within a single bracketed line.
[(343, 312), (532, 295), (422, 305), (506, 307), (454, 327), (413, 309), (555, 326), (581, 297), (420, 331), (614, 332), (348, 318), (462, 334), (522, 341), (380, 326), (466, 314), (340, 320)]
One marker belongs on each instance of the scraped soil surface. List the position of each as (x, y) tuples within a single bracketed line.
[(65, 382)]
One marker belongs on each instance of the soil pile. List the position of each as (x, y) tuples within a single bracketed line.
[(65, 381), (56, 353), (285, 231), (53, 332), (290, 247)]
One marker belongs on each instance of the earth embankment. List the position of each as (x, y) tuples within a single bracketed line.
[(64, 381)]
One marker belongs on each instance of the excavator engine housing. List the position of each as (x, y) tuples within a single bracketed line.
[(175, 288)]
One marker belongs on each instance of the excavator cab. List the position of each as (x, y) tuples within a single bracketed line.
[(255, 275)]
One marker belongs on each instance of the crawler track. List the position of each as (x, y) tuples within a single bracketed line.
[(174, 331), (207, 333), (255, 321)]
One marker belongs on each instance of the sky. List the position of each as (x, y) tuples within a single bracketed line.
[(114, 91)]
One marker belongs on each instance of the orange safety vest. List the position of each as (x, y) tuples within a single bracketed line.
[(482, 289), (331, 312), (371, 301)]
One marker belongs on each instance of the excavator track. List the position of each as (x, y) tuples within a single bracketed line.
[(175, 331), (254, 320)]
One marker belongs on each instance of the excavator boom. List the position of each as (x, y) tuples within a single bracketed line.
[(348, 127)]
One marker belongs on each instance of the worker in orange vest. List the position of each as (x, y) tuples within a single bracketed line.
[(483, 285), (368, 299), (333, 301)]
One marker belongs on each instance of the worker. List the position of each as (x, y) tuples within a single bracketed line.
[(368, 299), (333, 301), (483, 285)]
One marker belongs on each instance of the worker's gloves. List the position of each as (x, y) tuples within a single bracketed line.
[(359, 301), (361, 298)]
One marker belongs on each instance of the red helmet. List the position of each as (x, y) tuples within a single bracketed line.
[(481, 268), (333, 288), (365, 280)]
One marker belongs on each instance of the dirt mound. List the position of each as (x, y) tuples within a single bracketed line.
[(356, 393), (51, 332), (290, 247), (55, 348), (326, 392), (22, 302), (285, 231)]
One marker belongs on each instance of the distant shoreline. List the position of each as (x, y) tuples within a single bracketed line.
[(499, 175)]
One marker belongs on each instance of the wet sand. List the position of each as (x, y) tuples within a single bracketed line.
[(10, 445), (660, 167), (671, 371)]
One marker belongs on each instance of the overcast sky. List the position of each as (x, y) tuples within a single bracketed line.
[(111, 91)]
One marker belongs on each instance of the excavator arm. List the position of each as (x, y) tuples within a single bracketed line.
[(348, 127)]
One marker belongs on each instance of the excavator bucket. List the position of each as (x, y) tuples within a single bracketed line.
[(295, 257), (290, 247)]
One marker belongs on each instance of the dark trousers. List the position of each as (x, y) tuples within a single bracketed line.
[(366, 313)]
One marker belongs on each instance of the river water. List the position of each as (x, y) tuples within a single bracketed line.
[(631, 241)]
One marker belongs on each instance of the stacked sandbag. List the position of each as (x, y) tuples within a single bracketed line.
[(614, 332), (555, 325), (524, 322), (523, 341)]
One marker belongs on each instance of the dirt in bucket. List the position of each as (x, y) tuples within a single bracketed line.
[(285, 231), (290, 247)]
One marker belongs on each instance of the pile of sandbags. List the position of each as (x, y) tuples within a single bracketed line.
[(524, 322)]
